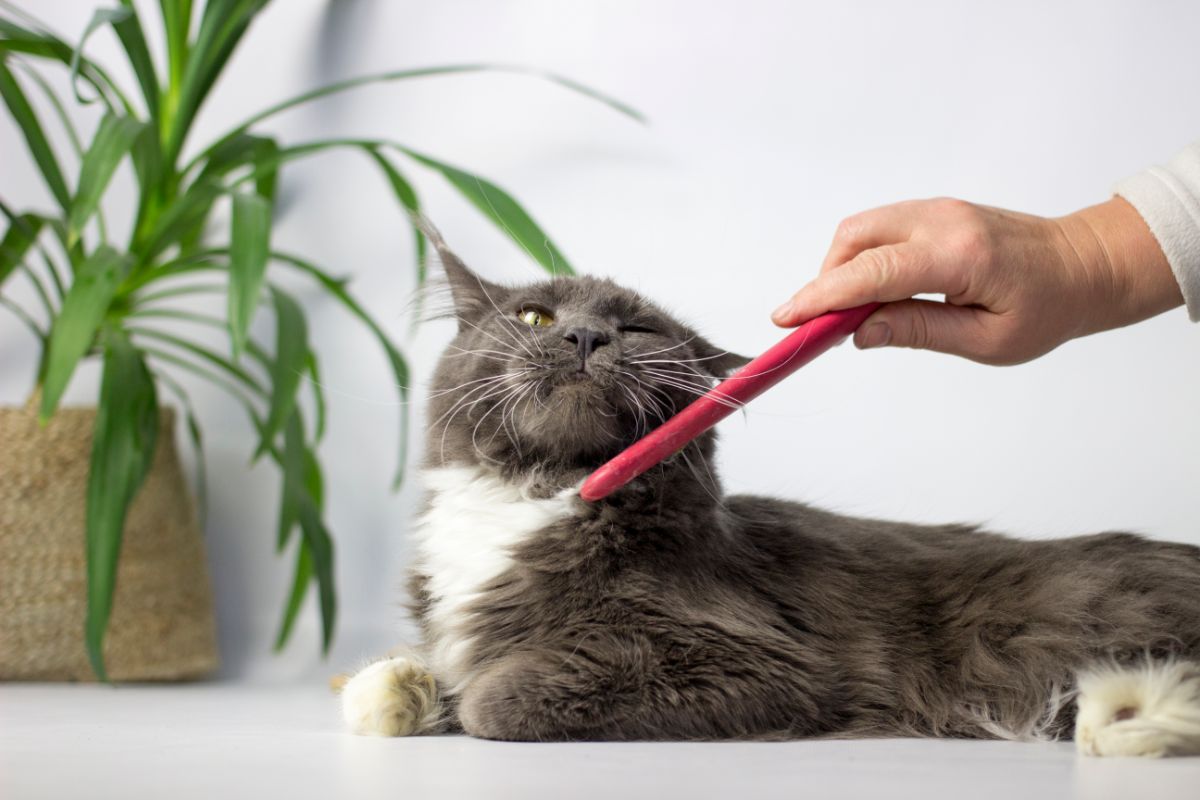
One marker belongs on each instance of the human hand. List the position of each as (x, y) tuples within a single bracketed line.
[(1016, 285)]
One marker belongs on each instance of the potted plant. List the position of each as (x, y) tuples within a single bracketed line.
[(115, 295)]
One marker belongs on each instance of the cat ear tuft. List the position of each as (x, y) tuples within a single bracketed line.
[(717, 362), (472, 294)]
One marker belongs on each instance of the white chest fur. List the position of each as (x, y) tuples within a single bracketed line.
[(465, 540)]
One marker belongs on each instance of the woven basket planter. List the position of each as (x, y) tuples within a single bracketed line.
[(162, 621)]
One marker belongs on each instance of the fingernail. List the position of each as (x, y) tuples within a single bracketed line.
[(781, 313), (878, 335)]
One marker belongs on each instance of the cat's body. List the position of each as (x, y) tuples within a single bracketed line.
[(671, 611)]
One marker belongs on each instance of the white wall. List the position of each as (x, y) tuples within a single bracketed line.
[(769, 122)]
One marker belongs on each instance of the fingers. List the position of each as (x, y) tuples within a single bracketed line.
[(880, 226), (881, 274), (928, 325)]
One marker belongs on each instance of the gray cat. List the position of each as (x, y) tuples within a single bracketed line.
[(672, 611)]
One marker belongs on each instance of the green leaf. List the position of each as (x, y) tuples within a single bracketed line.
[(314, 482), (318, 392), (201, 352), (287, 367), (147, 165), (316, 535), (21, 234), (243, 151), (84, 308), (300, 581), (177, 20), (407, 74), (113, 140), (266, 151), (399, 366), (408, 198), (41, 44), (222, 26), (292, 486), (301, 502), (129, 30), (240, 151), (181, 222), (499, 206), (250, 243), (122, 451), (35, 137), (197, 437)]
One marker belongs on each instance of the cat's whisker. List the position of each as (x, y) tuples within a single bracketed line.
[(537, 394), (489, 390), (676, 360), (697, 379), (645, 390), (483, 386), (507, 407), (665, 349), (712, 487), (497, 339), (512, 417), (486, 414), (441, 392), (493, 355), (465, 403), (698, 391)]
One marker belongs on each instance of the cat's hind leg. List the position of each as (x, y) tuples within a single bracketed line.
[(396, 696), (1149, 709)]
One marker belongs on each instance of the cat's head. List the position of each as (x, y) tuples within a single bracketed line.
[(559, 374)]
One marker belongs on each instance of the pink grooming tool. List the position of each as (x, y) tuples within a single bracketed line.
[(797, 349)]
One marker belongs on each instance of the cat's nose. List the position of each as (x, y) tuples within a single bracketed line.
[(586, 340)]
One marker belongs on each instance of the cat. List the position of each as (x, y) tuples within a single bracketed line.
[(672, 611)]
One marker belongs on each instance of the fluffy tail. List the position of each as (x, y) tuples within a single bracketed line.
[(1151, 709)]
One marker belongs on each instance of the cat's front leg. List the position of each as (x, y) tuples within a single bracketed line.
[(626, 688), (395, 696)]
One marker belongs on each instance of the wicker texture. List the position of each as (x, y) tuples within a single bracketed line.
[(162, 621)]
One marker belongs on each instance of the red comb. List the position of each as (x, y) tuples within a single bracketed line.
[(797, 349)]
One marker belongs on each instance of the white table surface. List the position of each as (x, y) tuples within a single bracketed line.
[(238, 740)]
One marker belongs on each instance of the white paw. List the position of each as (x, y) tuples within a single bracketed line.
[(393, 697), (1149, 710)]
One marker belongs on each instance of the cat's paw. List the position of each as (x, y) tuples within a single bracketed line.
[(393, 697), (1151, 710)]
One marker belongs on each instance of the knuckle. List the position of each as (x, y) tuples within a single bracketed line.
[(966, 232), (879, 268), (973, 244), (919, 335), (951, 207), (849, 229)]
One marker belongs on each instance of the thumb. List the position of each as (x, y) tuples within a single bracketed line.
[(926, 325)]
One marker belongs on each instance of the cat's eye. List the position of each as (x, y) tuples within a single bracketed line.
[(535, 318), (636, 329)]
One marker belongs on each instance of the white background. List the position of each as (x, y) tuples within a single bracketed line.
[(770, 121)]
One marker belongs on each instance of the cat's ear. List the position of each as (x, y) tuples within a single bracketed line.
[(715, 361), (472, 294)]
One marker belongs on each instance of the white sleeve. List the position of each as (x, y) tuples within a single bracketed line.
[(1168, 198)]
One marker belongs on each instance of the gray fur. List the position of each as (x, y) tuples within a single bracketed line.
[(671, 611)]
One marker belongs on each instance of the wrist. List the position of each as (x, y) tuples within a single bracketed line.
[(1126, 276)]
